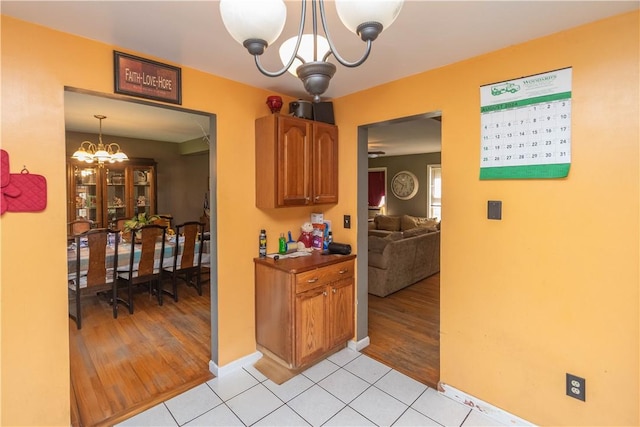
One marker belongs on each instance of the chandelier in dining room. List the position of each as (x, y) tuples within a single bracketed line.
[(90, 152)]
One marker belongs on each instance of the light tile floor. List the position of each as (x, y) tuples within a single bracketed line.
[(346, 389)]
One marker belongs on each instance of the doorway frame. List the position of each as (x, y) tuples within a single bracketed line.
[(362, 260), (213, 220)]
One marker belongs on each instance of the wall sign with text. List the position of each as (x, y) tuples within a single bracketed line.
[(526, 127), (147, 79)]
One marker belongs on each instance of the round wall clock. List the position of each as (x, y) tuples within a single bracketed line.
[(404, 185)]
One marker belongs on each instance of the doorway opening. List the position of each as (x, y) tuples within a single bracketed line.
[(400, 329), (149, 121)]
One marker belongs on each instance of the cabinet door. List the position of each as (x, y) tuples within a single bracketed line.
[(341, 313), (85, 194), (325, 163), (116, 199), (143, 192), (311, 332), (294, 162)]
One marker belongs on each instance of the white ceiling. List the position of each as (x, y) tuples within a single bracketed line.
[(426, 35)]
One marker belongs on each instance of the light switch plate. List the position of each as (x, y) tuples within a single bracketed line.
[(494, 209)]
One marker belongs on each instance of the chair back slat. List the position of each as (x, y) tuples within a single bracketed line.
[(188, 248), (149, 257), (97, 261), (97, 271)]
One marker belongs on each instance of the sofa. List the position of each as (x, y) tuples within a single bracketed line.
[(384, 225), (402, 258)]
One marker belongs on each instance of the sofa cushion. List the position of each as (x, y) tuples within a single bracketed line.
[(386, 222), (377, 244), (380, 233), (396, 235), (416, 231), (409, 222)]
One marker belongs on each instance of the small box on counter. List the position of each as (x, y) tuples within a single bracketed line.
[(317, 237), (317, 218)]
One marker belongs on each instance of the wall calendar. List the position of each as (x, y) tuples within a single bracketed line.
[(526, 127)]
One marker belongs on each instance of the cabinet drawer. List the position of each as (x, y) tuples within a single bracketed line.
[(321, 276)]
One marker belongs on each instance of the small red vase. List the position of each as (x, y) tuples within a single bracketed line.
[(274, 102)]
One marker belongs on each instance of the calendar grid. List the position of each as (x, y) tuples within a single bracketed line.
[(526, 127)]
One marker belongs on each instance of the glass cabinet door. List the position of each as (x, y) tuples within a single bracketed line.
[(116, 197), (86, 193), (143, 193)]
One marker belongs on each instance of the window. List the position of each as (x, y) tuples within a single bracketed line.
[(434, 172), (377, 191)]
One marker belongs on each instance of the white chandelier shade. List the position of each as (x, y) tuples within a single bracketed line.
[(305, 51), (352, 13), (251, 19)]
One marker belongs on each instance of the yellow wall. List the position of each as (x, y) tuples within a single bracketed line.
[(552, 288)]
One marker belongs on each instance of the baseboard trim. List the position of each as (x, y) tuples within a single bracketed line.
[(221, 371), (359, 345), (487, 409)]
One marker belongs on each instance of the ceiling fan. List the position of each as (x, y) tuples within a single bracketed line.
[(374, 154)]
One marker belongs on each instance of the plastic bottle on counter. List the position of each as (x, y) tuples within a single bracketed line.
[(282, 244), (328, 240), (263, 243)]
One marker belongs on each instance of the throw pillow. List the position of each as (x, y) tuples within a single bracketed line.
[(389, 223), (430, 223), (407, 222)]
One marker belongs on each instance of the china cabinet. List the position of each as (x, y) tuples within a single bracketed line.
[(104, 194), (296, 162), (304, 307)]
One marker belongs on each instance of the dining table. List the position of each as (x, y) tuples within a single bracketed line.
[(124, 254)]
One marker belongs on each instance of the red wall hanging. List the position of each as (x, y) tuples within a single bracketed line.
[(20, 192)]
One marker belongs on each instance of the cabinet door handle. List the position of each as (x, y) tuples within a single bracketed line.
[(314, 280), (317, 197), (324, 293), (343, 271), (334, 290)]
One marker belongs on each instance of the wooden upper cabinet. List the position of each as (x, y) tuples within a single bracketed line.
[(325, 163), (296, 162)]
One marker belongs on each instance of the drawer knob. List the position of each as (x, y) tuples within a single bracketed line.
[(314, 280), (343, 271)]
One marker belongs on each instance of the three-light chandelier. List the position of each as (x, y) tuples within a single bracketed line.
[(256, 24), (90, 152)]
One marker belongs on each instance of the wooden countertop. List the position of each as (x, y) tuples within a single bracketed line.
[(304, 263)]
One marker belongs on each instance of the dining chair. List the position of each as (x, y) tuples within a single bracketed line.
[(145, 261), (187, 258), (165, 219), (99, 272), (79, 226)]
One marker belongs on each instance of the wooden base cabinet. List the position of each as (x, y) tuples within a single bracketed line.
[(304, 307)]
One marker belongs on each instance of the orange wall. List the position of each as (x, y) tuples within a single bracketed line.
[(36, 65), (553, 287)]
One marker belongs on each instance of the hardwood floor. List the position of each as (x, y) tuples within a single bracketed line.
[(122, 366), (404, 330)]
